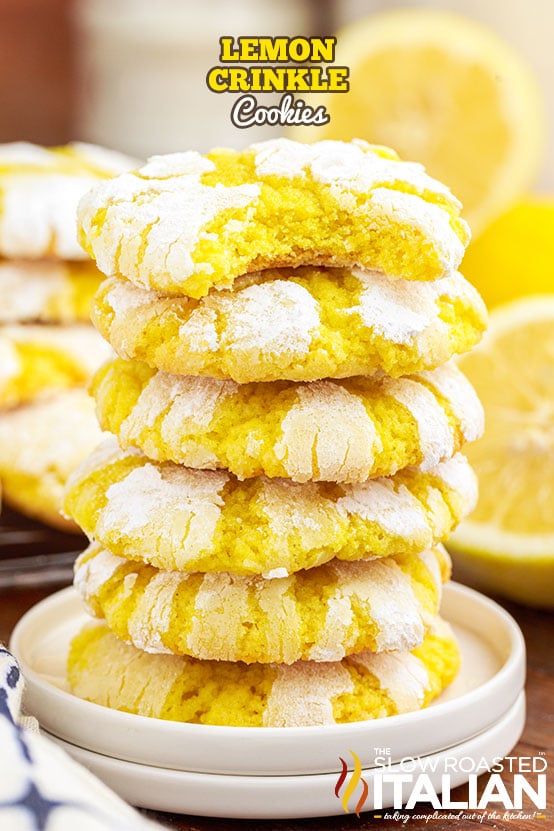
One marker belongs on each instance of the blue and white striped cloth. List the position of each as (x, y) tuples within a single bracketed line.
[(41, 788)]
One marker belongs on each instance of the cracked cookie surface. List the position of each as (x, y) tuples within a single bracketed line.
[(298, 324), (185, 223), (103, 669), (319, 615), (339, 431), (39, 191), (176, 518)]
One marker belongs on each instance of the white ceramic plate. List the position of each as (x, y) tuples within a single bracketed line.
[(286, 797), (492, 675)]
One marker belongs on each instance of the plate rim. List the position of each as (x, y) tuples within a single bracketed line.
[(209, 747), (512, 723)]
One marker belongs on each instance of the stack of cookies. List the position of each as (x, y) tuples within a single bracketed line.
[(266, 522), (48, 349)]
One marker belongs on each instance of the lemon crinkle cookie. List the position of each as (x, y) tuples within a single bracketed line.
[(298, 324), (321, 615), (39, 358), (340, 431), (40, 445), (103, 669), (47, 291), (185, 223), (196, 520), (39, 192)]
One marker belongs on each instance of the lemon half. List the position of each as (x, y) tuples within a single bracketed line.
[(507, 545), (445, 91)]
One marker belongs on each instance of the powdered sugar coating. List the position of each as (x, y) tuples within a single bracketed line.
[(463, 400), (310, 440), (22, 152), (105, 670), (37, 211), (45, 291), (193, 399), (435, 432), (317, 323), (400, 310), (177, 518), (349, 168), (79, 343), (104, 453), (77, 155), (303, 694), (152, 613), (155, 217), (402, 675), (287, 312), (185, 216), (40, 445), (10, 364), (346, 165), (26, 289), (395, 509), (221, 609), (432, 221), (320, 615), (136, 502), (192, 406), (89, 577), (40, 190), (49, 436), (283, 429), (453, 473), (125, 298), (388, 592)]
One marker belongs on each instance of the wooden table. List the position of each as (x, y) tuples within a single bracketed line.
[(538, 737)]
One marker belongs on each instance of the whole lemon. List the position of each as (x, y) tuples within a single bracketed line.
[(514, 256)]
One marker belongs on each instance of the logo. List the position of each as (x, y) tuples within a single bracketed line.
[(428, 781), (289, 65), (351, 785)]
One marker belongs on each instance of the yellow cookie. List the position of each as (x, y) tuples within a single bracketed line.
[(40, 445), (338, 431), (39, 192), (297, 324), (103, 669), (198, 520), (47, 291), (318, 615), (39, 358), (185, 223)]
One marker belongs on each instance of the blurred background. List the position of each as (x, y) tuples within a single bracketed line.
[(470, 96), (129, 74)]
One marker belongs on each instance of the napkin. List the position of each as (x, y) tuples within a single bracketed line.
[(41, 787)]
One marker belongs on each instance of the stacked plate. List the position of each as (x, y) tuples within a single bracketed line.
[(271, 773)]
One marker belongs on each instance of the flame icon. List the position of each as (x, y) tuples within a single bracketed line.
[(355, 779)]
